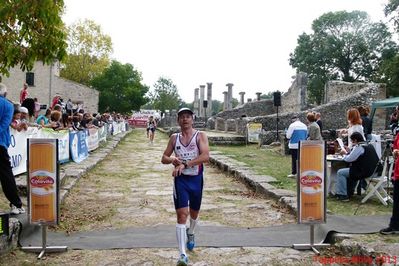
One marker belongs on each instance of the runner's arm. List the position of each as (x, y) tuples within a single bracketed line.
[(167, 157), (204, 151)]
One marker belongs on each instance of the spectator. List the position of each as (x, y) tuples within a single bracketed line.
[(16, 121), (55, 118), (86, 121), (24, 93), (76, 122), (66, 121), (6, 175), (57, 107), (24, 114), (355, 125), (363, 160), (366, 121), (394, 119), (69, 107), (296, 132), (55, 101), (29, 104), (393, 227), (313, 127), (44, 120), (37, 107), (319, 122)]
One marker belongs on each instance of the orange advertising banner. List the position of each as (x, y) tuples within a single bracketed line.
[(311, 182), (43, 181)]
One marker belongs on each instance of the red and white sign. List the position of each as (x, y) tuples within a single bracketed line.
[(139, 119)]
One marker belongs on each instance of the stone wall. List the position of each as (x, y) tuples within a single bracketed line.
[(338, 90), (43, 85), (47, 84), (333, 114), (295, 99), (77, 92)]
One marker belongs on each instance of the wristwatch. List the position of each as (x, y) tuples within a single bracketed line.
[(185, 164)]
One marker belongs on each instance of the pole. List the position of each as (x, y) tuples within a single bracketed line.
[(277, 125), (50, 85)]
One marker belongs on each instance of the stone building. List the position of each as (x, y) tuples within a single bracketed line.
[(45, 82)]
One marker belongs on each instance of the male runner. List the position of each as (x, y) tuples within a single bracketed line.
[(191, 150)]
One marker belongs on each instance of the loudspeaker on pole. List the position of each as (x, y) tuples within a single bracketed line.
[(277, 98)]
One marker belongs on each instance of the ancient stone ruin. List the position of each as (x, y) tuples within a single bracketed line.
[(339, 97)]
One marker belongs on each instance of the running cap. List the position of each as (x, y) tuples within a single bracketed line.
[(184, 110)]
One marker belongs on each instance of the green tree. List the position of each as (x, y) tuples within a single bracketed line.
[(389, 71), (344, 45), (31, 31), (120, 88), (88, 52), (217, 106), (391, 10), (165, 95)]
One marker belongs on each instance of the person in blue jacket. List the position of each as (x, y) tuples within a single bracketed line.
[(6, 175), (297, 131)]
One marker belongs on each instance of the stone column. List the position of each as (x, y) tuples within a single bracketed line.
[(229, 96), (242, 97), (225, 101), (209, 99), (196, 101), (202, 94), (258, 96)]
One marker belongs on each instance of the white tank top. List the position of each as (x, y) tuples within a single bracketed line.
[(188, 153)]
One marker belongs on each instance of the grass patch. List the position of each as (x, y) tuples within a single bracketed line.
[(272, 163), (263, 162)]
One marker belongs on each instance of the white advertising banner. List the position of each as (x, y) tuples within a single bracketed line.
[(92, 142), (18, 148), (63, 141)]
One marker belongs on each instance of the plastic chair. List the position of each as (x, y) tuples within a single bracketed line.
[(377, 184)]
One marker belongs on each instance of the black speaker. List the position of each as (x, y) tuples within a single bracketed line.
[(277, 98), (205, 104)]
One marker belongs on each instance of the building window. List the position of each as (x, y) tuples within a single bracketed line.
[(30, 78)]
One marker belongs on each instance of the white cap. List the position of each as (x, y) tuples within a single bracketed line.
[(184, 110), (23, 110)]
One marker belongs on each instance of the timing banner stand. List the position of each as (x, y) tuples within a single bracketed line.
[(43, 190), (311, 189)]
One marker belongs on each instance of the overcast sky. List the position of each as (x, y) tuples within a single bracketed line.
[(244, 42)]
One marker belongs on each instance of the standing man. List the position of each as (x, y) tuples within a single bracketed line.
[(23, 94), (297, 131), (6, 176), (191, 151), (393, 227), (319, 122)]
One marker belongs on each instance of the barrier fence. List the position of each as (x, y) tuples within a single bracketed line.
[(72, 145)]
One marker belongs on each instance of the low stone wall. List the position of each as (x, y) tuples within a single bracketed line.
[(220, 124), (231, 125), (250, 109)]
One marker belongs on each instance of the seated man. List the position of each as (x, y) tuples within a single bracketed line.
[(363, 161)]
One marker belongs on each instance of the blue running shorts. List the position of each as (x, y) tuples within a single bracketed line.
[(187, 191)]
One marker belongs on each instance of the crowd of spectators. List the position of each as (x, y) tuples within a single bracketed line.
[(60, 115)]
